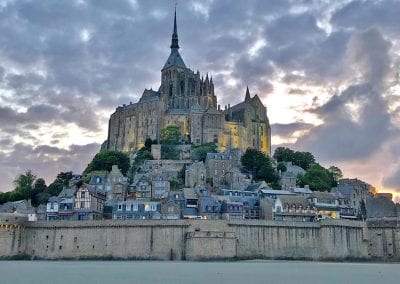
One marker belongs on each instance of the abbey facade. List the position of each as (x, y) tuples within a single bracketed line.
[(187, 100)]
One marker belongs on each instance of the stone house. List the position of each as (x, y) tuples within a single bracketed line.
[(327, 205), (66, 204), (191, 204), (136, 209), (217, 167), (232, 210), (381, 206), (209, 208), (273, 194), (170, 210), (235, 179), (288, 179), (160, 189), (195, 175), (142, 188), (23, 207), (251, 207), (52, 208), (293, 208), (89, 203), (356, 191), (266, 208)]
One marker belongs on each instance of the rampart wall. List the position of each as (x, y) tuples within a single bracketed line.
[(200, 240)]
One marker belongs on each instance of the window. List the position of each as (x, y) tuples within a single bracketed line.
[(82, 204), (119, 207), (82, 194)]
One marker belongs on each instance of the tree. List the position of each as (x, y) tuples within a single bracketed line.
[(281, 167), (38, 188), (142, 155), (170, 138), (104, 160), (259, 165), (148, 143), (317, 177), (170, 135), (283, 154), (64, 177), (336, 173), (302, 159), (199, 153), (23, 186)]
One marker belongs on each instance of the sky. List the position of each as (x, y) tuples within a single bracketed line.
[(327, 71)]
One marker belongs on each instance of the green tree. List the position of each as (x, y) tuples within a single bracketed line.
[(38, 188), (170, 135), (104, 160), (199, 153), (142, 155), (336, 173), (283, 154), (281, 167), (259, 165), (23, 185), (317, 177), (302, 159)]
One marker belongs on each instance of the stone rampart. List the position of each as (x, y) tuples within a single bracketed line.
[(201, 240)]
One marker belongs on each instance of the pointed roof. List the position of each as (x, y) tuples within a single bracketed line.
[(174, 58), (247, 97)]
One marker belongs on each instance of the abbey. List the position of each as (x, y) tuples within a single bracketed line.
[(188, 100)]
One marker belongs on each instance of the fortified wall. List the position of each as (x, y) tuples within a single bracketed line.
[(200, 240)]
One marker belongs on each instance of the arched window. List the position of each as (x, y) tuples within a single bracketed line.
[(170, 90), (182, 87)]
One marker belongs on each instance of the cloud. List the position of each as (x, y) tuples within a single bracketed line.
[(287, 130), (356, 122), (45, 161)]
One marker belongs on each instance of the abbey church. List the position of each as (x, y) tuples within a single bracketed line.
[(187, 99)]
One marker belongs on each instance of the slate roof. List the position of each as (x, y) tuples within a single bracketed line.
[(150, 95), (322, 195), (297, 200), (189, 193), (174, 59), (67, 193)]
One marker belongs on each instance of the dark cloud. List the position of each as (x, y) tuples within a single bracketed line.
[(287, 130), (354, 133), (297, 92), (45, 161)]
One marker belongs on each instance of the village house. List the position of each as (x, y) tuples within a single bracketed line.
[(136, 209), (293, 208), (195, 175), (89, 203), (21, 207), (288, 179), (327, 205), (170, 209), (209, 208)]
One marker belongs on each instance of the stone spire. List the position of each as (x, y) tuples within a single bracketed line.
[(247, 97), (174, 40)]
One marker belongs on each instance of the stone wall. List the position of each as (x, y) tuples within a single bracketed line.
[(201, 240)]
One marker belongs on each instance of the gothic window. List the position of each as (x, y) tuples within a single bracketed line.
[(170, 90), (182, 87)]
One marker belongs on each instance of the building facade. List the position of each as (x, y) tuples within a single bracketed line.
[(187, 99)]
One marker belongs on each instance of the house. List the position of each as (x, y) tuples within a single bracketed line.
[(209, 208), (23, 207), (303, 191), (195, 175), (89, 203), (66, 204), (356, 191), (293, 208), (235, 179), (170, 210), (288, 179), (381, 206), (218, 165), (273, 194), (346, 210), (52, 208), (266, 208), (191, 199), (327, 205), (142, 188), (160, 188), (251, 207), (136, 209), (178, 197), (232, 210)]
